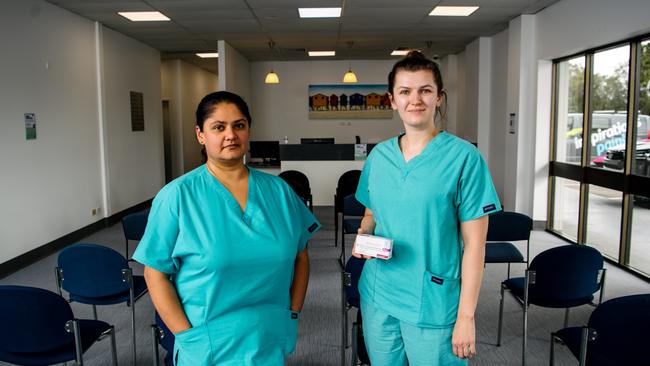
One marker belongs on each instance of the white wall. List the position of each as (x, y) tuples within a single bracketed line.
[(498, 110), (281, 109), (135, 167), (50, 67), (184, 85), (234, 71)]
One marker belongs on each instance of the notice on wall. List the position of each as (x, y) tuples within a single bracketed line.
[(137, 111), (30, 126), (360, 151)]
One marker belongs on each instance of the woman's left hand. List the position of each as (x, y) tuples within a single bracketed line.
[(463, 340)]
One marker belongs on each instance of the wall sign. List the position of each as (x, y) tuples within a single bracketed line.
[(137, 112), (30, 126)]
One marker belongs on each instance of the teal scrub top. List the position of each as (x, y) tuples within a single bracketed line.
[(232, 270), (420, 205)]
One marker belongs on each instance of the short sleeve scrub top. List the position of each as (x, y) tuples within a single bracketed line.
[(232, 270), (420, 205)]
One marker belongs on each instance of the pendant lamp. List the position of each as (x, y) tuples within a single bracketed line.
[(349, 76), (272, 77)]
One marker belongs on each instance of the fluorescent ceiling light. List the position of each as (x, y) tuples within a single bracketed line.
[(208, 55), (453, 11), (319, 12), (144, 16), (400, 52), (321, 53)]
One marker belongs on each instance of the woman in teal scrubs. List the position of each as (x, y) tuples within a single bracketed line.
[(431, 193), (225, 250)]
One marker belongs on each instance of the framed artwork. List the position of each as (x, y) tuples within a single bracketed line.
[(349, 101)]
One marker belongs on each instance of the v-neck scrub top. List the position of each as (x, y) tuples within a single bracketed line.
[(420, 204), (232, 270)]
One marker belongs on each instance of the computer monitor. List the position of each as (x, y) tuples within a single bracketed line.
[(268, 151), (317, 140)]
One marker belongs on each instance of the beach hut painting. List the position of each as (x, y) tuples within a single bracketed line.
[(343, 101)]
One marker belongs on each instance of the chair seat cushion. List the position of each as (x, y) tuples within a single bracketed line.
[(90, 330), (351, 225), (139, 288), (516, 286), (598, 354), (502, 252)]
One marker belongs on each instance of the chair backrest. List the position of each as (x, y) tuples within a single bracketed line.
[(298, 182), (509, 226), (33, 320), (352, 207), (92, 270), (621, 326), (566, 272), (346, 185), (354, 267), (134, 225), (167, 340)]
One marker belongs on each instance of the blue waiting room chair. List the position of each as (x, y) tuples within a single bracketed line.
[(616, 334), (299, 182), (353, 212), (134, 225), (39, 328), (350, 298), (504, 228), (97, 275), (562, 277), (165, 338), (346, 185)]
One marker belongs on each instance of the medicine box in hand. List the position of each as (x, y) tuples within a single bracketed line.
[(374, 246)]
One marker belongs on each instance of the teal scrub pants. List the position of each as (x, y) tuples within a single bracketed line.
[(391, 342)]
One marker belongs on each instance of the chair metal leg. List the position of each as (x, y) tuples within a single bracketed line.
[(72, 326), (583, 346), (113, 347), (500, 318), (566, 317), (344, 320), (336, 225), (154, 339), (508, 270), (355, 331), (94, 311), (133, 327), (525, 305), (552, 354)]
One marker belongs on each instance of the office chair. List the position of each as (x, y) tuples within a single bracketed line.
[(164, 337), (352, 212), (39, 328), (133, 226), (562, 277), (97, 275), (616, 334), (346, 185), (350, 298), (300, 184), (505, 227)]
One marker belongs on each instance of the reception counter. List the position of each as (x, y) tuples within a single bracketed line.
[(323, 164)]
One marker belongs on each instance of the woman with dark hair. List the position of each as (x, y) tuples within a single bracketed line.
[(225, 250), (431, 193)]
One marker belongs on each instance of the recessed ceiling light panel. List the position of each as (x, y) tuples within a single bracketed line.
[(208, 54), (144, 16), (453, 11), (400, 52), (319, 12), (321, 53)]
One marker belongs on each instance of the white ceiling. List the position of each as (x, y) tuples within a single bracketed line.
[(375, 27)]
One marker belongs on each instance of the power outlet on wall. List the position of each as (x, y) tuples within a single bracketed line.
[(95, 210)]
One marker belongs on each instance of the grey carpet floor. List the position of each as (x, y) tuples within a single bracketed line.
[(319, 341)]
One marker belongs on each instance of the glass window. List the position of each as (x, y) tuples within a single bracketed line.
[(570, 104), (565, 213), (640, 239), (609, 105), (641, 165), (604, 220)]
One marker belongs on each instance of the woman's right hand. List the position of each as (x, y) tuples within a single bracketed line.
[(354, 248)]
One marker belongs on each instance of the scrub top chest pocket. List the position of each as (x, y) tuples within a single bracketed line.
[(440, 297)]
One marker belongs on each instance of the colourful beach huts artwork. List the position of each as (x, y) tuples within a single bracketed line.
[(343, 101)]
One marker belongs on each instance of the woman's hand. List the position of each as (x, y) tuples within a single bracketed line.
[(367, 227), (463, 340)]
